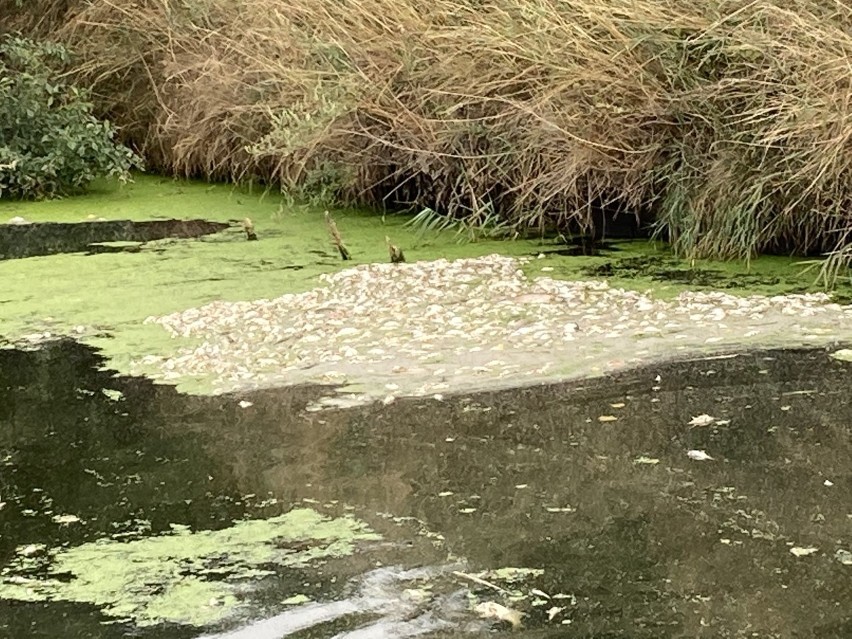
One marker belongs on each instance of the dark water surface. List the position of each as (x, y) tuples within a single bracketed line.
[(621, 533), (49, 238)]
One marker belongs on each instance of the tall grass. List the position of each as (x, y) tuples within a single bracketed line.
[(728, 120)]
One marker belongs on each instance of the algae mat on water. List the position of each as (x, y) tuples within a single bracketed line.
[(104, 298), (184, 577)]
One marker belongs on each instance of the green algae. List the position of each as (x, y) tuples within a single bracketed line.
[(185, 577), (649, 266), (147, 197), (103, 299)]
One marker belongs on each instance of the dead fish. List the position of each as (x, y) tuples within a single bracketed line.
[(702, 420), (698, 455), (493, 610), (803, 552)]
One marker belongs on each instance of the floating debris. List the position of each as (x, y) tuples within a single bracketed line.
[(30, 549), (438, 321), (396, 255), (702, 420), (844, 354), (248, 227), (803, 552), (651, 461), (479, 580), (698, 455), (560, 509), (114, 395), (493, 610)]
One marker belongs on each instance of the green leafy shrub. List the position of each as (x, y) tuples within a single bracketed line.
[(50, 143)]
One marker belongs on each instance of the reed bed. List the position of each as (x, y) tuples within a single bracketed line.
[(727, 123)]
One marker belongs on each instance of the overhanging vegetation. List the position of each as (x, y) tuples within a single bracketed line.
[(727, 121)]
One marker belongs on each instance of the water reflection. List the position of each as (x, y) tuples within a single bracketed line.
[(634, 539)]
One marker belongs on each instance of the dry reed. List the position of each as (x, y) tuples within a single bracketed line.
[(729, 121)]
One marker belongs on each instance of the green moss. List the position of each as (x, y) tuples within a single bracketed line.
[(184, 577), (650, 267)]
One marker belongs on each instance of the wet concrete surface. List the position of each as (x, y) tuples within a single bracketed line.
[(588, 482)]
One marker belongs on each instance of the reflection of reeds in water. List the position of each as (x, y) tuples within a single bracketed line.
[(729, 121)]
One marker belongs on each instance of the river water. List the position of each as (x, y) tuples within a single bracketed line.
[(130, 510)]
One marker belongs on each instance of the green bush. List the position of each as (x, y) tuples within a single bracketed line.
[(50, 143)]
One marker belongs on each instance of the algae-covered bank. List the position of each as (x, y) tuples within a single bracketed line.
[(218, 312)]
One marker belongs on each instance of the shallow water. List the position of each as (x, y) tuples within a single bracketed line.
[(49, 238), (399, 506)]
